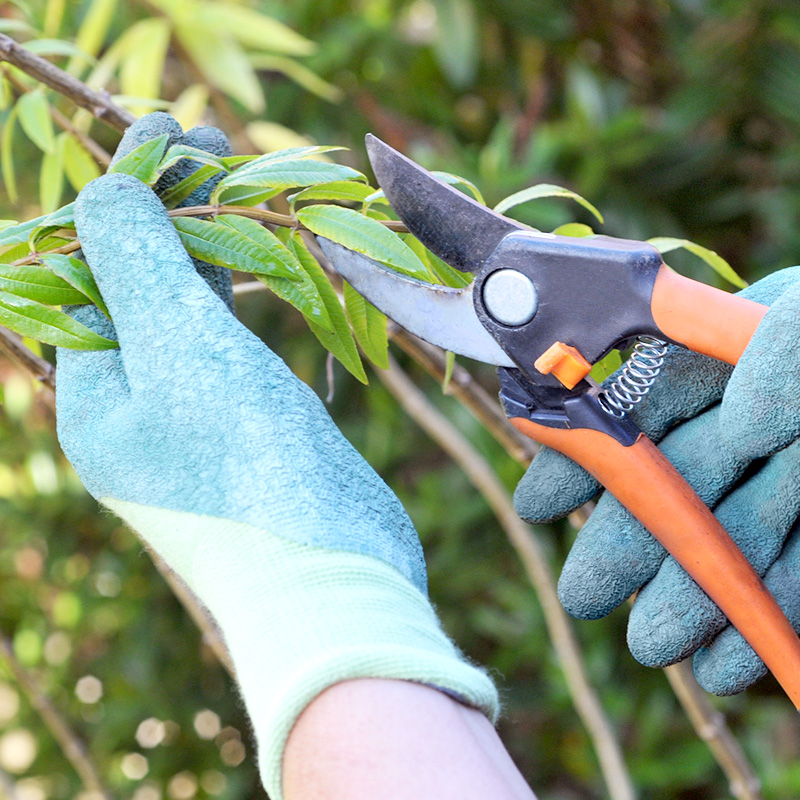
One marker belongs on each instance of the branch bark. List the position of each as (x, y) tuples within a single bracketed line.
[(99, 104), (69, 742)]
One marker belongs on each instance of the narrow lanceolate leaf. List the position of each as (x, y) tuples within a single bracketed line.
[(339, 340), (364, 235), (300, 74), (336, 190), (606, 366), (34, 116), (369, 327), (49, 225), (77, 274), (7, 223), (143, 64), (665, 244), (20, 232), (39, 284), (301, 293), (254, 29), (226, 247), (176, 194), (379, 196), (10, 254), (56, 47), (190, 105), (222, 60), (450, 364), (287, 154), (287, 174), (143, 162), (79, 166), (45, 324), (544, 190), (7, 156), (92, 33), (51, 178), (179, 152), (245, 196), (576, 229)]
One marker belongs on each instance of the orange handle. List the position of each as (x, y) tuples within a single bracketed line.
[(645, 482), (706, 320)]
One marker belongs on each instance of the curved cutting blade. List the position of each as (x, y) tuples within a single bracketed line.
[(458, 229), (438, 314)]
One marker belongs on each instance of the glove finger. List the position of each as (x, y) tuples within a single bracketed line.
[(729, 665), (760, 412), (614, 554), (552, 487), (89, 384), (672, 616), (212, 140), (166, 316)]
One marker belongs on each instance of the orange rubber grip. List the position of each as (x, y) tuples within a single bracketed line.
[(647, 484), (704, 319)]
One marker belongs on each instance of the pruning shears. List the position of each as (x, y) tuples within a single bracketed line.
[(544, 309)]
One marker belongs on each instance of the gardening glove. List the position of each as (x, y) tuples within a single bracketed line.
[(204, 442), (719, 449)]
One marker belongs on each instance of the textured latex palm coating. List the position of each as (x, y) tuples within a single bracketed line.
[(613, 555), (195, 413)]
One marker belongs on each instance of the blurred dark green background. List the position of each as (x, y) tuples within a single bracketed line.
[(675, 118)]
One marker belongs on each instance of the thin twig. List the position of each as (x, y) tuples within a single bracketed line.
[(39, 369), (450, 439), (99, 104), (69, 742), (711, 727)]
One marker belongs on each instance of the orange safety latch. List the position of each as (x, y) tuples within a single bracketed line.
[(565, 362)]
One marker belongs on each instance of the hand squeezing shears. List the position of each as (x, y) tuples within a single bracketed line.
[(544, 309)]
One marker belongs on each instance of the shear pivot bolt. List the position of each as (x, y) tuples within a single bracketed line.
[(510, 297)]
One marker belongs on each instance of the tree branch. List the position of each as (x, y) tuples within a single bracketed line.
[(99, 104), (530, 552), (69, 742)]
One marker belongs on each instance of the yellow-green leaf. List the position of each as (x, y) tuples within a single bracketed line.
[(379, 196), (92, 33), (339, 340), (51, 177), (7, 156), (576, 229), (79, 166), (665, 244), (544, 190), (336, 190), (143, 64), (190, 105), (606, 366), (176, 194), (34, 116), (45, 324), (364, 235), (449, 366), (300, 74), (54, 13), (225, 246), (369, 327)]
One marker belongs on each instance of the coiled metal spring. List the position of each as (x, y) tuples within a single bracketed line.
[(637, 377)]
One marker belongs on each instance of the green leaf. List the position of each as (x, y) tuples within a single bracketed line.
[(576, 229), (15, 26), (254, 29), (39, 284), (286, 175), (53, 16), (224, 246), (179, 152), (665, 244), (287, 154), (7, 157), (339, 340), (246, 196), (57, 47), (450, 363), (92, 33), (143, 162), (21, 232), (364, 235), (439, 271), (301, 293), (457, 45), (176, 194), (6, 95), (369, 327), (379, 196), (300, 74), (77, 274), (79, 166), (606, 366), (34, 116), (7, 223), (335, 190), (222, 60), (45, 324), (51, 177), (14, 252), (143, 64), (544, 190)]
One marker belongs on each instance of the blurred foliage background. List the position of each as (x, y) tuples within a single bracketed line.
[(675, 118)]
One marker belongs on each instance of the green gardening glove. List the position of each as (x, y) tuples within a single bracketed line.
[(719, 450), (204, 442)]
